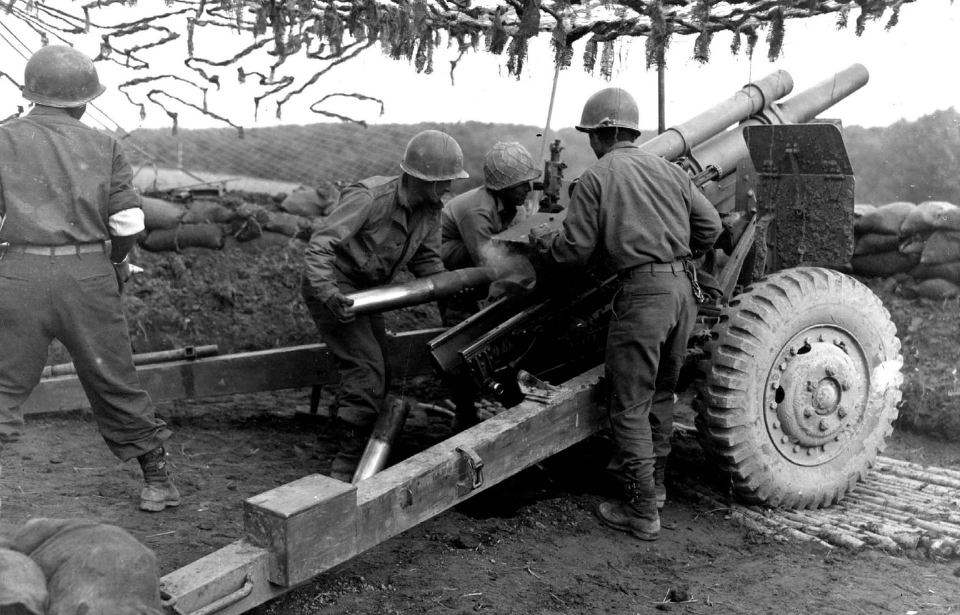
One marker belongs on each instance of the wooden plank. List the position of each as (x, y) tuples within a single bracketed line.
[(308, 525), (426, 484), (250, 372), (388, 503), (218, 575)]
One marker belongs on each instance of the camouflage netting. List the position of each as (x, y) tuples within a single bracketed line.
[(333, 32)]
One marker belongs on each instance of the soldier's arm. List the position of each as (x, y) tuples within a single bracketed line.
[(580, 235), (347, 218), (704, 222)]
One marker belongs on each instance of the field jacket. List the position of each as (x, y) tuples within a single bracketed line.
[(632, 208), (60, 180), (467, 223), (369, 236)]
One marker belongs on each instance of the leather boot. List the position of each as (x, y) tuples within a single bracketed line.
[(637, 516), (159, 492), (659, 476)]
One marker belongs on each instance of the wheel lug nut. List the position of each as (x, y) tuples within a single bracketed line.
[(807, 413), (828, 371), (784, 439), (842, 412), (773, 405), (776, 424), (809, 452), (811, 385), (793, 351), (783, 366), (845, 386), (821, 337), (796, 448), (823, 425)]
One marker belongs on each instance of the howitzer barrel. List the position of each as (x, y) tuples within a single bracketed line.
[(753, 98), (725, 150), (420, 291)]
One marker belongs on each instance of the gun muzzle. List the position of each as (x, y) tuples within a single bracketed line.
[(424, 290)]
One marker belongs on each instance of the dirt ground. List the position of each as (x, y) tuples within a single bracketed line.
[(531, 545)]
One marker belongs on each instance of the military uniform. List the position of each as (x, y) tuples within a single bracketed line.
[(372, 233), (645, 217), (62, 186)]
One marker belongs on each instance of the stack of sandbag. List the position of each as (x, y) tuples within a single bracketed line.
[(77, 567), (922, 241), (173, 226), (205, 223)]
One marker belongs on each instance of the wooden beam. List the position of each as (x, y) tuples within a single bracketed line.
[(250, 372), (307, 527)]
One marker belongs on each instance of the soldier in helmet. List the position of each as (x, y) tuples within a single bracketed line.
[(469, 220), (644, 216), (68, 219), (378, 226)]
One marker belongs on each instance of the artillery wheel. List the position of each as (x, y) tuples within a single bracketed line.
[(802, 381)]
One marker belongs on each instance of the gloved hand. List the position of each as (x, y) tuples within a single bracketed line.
[(340, 305)]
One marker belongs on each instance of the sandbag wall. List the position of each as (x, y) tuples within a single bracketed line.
[(210, 223), (901, 239)]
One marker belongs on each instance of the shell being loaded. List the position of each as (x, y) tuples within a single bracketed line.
[(424, 290)]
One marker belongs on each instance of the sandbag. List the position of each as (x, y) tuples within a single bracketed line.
[(937, 288), (915, 244), (160, 214), (883, 264), (184, 236), (287, 224), (23, 586), (306, 201), (946, 271), (859, 211), (927, 216), (92, 568), (199, 212), (942, 247), (886, 220), (874, 243)]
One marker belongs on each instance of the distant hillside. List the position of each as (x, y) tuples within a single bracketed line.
[(333, 152), (911, 161)]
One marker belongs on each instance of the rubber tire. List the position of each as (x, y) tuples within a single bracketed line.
[(739, 358)]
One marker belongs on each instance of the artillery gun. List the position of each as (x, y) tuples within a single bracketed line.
[(796, 367)]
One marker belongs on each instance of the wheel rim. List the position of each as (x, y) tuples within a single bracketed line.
[(817, 394)]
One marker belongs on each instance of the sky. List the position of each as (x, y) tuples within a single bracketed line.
[(909, 66)]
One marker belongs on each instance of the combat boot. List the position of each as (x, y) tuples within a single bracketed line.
[(659, 480), (637, 516), (159, 492)]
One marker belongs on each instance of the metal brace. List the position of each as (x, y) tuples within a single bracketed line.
[(474, 480)]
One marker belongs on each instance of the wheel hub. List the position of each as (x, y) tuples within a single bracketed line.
[(816, 395)]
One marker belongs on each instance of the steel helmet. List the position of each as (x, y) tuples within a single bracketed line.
[(61, 76), (433, 156), (508, 165), (610, 108)]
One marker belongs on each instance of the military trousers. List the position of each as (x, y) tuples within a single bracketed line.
[(653, 315), (76, 300), (361, 349)]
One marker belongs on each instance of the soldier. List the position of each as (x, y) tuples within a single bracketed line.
[(68, 219), (469, 220), (378, 226), (647, 219)]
